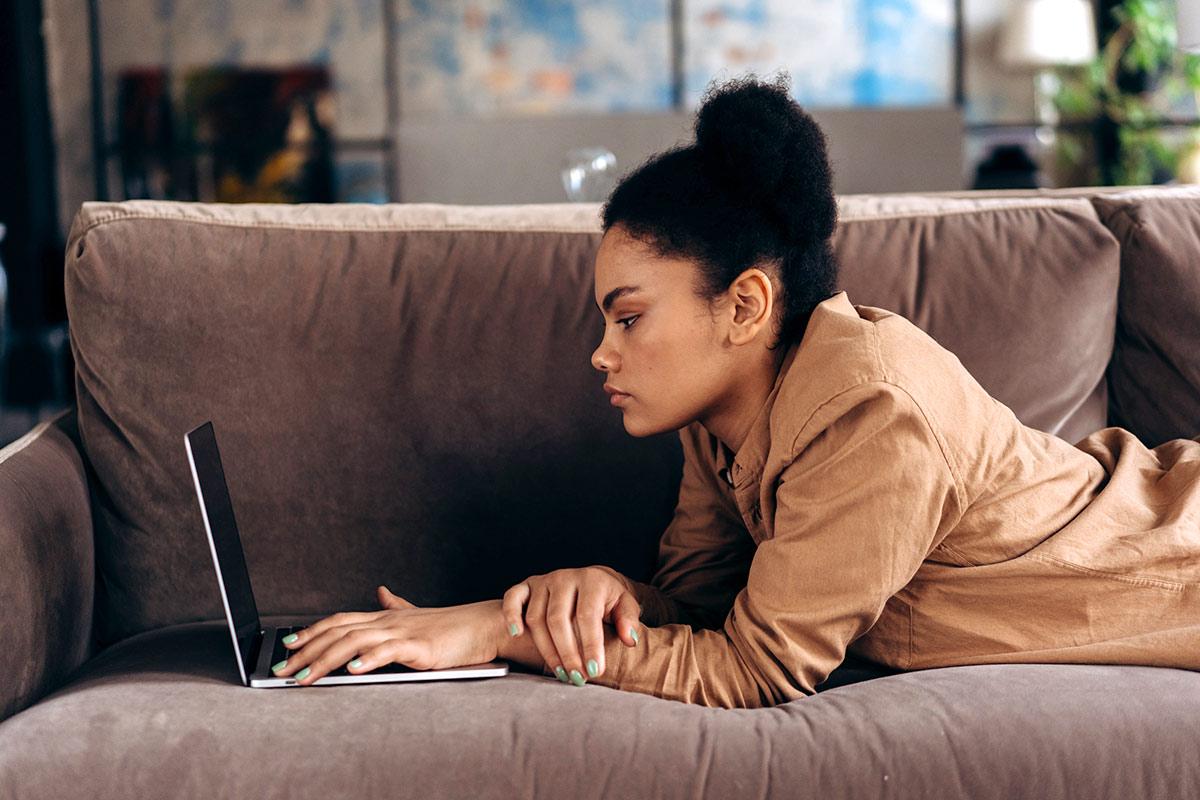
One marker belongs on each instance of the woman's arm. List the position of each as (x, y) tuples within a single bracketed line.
[(866, 496), (705, 552)]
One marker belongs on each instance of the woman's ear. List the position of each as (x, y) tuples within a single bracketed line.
[(752, 301)]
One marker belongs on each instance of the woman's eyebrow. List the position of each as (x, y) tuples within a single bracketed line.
[(620, 291)]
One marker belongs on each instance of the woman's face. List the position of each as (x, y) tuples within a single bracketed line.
[(662, 344)]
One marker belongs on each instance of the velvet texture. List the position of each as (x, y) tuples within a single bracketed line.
[(1022, 290), (402, 395), (161, 715), (1155, 370), (382, 378), (48, 572)]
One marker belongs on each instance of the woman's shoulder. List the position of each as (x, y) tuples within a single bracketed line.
[(853, 355)]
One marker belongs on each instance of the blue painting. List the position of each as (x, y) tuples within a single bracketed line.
[(534, 56), (546, 56)]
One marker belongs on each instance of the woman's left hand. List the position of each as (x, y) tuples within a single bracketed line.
[(421, 638)]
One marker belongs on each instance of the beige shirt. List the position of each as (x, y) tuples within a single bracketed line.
[(884, 503)]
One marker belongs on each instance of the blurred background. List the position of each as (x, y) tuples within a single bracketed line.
[(524, 101)]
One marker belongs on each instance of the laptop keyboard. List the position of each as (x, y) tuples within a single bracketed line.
[(281, 652)]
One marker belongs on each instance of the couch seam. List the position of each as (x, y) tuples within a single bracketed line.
[(1053, 206), (318, 227), (28, 438), (1059, 205)]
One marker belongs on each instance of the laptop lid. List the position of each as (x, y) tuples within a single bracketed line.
[(225, 544)]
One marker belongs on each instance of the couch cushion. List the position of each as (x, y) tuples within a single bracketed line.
[(1023, 290), (1154, 378), (162, 715), (402, 395)]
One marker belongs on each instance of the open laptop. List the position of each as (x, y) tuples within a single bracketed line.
[(255, 647)]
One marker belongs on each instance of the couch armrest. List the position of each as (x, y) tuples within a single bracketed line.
[(47, 573)]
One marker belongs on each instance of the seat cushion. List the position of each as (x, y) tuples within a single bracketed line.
[(162, 715)]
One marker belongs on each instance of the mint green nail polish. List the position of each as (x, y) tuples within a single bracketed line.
[(302, 674), (356, 663), (561, 674), (633, 633), (512, 628), (576, 678), (593, 667), (291, 637), (279, 666)]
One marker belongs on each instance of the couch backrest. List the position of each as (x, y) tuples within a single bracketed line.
[(403, 394), (1023, 290), (1154, 378)]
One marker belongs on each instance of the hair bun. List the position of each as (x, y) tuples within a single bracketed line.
[(757, 142)]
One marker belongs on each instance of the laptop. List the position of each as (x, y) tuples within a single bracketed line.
[(255, 647)]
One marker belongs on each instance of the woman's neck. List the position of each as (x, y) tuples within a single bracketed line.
[(731, 419)]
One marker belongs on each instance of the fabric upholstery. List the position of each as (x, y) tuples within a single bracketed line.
[(1022, 290), (401, 396), (380, 375), (47, 573), (1155, 371), (162, 715)]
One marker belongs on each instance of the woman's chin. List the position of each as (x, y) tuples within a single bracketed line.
[(635, 426)]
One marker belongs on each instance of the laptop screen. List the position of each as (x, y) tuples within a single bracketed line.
[(226, 545)]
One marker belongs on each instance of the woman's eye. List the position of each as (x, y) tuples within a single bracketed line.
[(628, 321)]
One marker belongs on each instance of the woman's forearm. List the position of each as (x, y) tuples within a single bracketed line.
[(522, 650), (657, 609)]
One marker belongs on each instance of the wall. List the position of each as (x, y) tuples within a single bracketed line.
[(348, 36)]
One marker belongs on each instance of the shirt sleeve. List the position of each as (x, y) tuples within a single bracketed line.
[(866, 495), (705, 552)]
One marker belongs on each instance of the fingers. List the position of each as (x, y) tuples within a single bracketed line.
[(513, 607), (387, 652), (560, 621), (328, 651), (389, 600), (314, 630), (589, 617), (626, 617), (536, 616)]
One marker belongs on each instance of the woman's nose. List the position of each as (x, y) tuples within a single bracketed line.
[(603, 358)]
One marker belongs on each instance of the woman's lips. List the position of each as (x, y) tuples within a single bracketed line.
[(616, 397)]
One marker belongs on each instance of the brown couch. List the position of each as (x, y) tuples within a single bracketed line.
[(403, 396)]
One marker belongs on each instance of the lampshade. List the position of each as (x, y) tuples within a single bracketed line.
[(1046, 33), (1187, 21)]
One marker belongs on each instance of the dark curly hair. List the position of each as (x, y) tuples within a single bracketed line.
[(754, 189)]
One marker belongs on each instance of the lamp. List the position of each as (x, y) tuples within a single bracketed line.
[(1187, 23), (1042, 34)]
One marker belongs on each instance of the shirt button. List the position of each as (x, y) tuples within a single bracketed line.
[(725, 476)]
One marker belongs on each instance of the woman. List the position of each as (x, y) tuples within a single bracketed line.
[(847, 485)]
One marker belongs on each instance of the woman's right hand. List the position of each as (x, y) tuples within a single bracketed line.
[(568, 600)]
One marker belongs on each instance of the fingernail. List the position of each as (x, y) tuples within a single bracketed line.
[(561, 674), (279, 666), (633, 633), (302, 674), (593, 667), (291, 637), (356, 663), (512, 628), (576, 678)]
